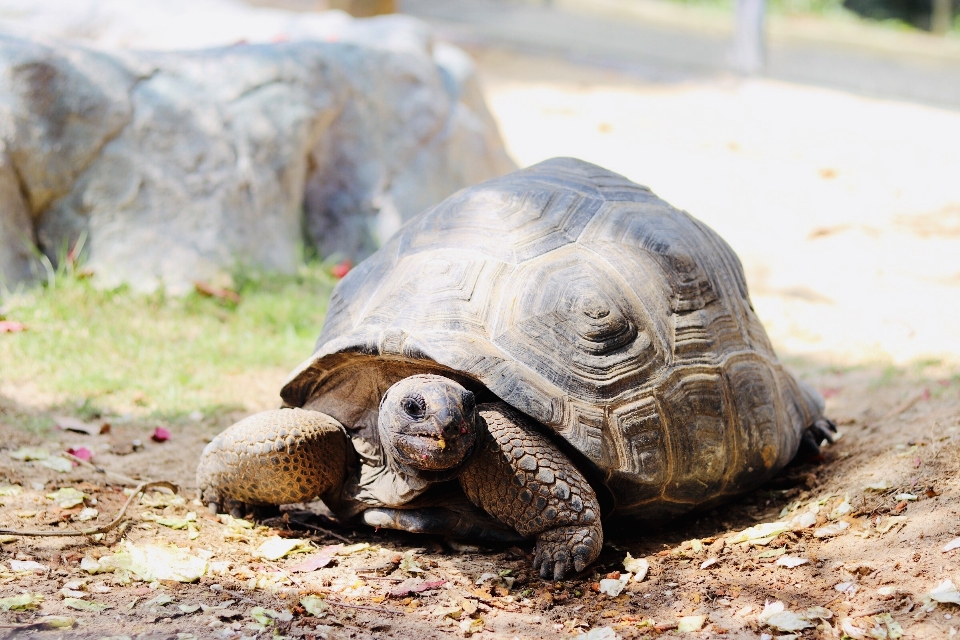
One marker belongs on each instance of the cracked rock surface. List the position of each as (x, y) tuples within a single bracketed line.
[(177, 165)]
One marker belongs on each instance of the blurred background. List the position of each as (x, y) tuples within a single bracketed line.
[(820, 138)]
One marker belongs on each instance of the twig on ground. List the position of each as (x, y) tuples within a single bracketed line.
[(360, 606), (326, 532), (113, 524), (119, 476)]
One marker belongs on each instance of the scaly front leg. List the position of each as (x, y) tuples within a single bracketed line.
[(521, 478), (273, 458)]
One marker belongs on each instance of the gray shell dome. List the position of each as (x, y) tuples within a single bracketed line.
[(580, 298)]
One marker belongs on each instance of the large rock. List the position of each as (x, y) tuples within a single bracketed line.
[(178, 166)]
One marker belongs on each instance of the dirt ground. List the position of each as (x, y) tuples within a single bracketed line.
[(870, 519)]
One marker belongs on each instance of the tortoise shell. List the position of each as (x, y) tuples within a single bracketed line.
[(580, 298)]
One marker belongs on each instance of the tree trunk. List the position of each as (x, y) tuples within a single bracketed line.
[(364, 8), (749, 46), (942, 18)]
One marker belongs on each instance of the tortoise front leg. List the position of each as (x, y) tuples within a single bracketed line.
[(273, 458), (521, 478)]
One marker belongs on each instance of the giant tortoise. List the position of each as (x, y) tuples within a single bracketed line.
[(549, 346)]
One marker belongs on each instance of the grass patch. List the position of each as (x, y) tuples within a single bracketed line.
[(112, 352)]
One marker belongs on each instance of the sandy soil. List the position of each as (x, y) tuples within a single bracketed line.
[(845, 214)]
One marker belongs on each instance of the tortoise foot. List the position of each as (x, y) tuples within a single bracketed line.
[(566, 550), (820, 431)]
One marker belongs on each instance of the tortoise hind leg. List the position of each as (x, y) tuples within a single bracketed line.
[(821, 430), (273, 458)]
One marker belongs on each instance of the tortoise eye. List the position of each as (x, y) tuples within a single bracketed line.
[(414, 406)]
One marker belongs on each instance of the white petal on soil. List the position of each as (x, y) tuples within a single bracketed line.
[(709, 562), (806, 519), (637, 566), (27, 565), (880, 485), (953, 544), (599, 633), (909, 497), (946, 591), (830, 530), (775, 615), (851, 629), (846, 587), (690, 623), (613, 587), (790, 562), (841, 509)]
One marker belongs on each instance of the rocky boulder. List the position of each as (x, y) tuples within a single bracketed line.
[(177, 166)]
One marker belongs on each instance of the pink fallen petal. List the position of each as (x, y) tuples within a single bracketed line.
[(81, 452), (160, 435), (341, 269), (412, 585), (318, 560), (9, 326)]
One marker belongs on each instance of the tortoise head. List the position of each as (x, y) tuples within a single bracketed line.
[(428, 423)]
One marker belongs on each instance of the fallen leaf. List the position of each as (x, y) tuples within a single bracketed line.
[(879, 486), (353, 548), (263, 616), (84, 605), (210, 291), (775, 615), (890, 523), (790, 562), (409, 564), (160, 434), (67, 497), (57, 463), (28, 565), (10, 490), (599, 633), (908, 497), (29, 453), (831, 530), (690, 623), (189, 608), (760, 534), (314, 605), (849, 588), (412, 586), (471, 626), (72, 424), (637, 566), (150, 562), (318, 560), (709, 562), (55, 622), (946, 591), (21, 602), (275, 547)]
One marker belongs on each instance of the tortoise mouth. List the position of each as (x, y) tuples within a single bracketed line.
[(431, 451)]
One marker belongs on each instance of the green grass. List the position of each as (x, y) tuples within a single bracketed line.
[(120, 352)]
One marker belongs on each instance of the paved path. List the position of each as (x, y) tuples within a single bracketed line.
[(663, 51)]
